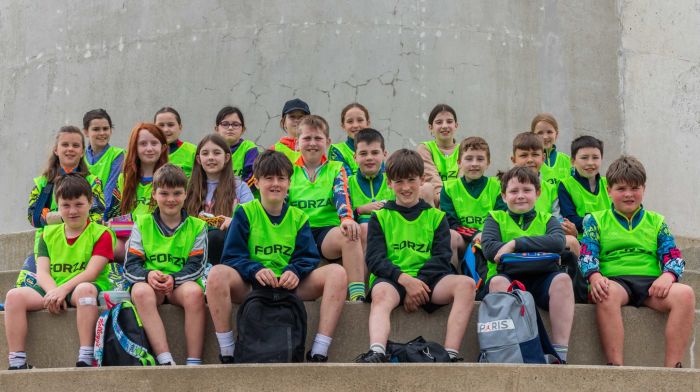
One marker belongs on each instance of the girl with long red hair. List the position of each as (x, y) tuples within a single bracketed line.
[(146, 152)]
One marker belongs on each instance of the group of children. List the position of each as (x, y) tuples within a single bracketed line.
[(392, 228)]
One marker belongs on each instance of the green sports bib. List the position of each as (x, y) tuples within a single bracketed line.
[(238, 157), (511, 230), (184, 157), (553, 172), (272, 245), (102, 167), (472, 211), (628, 252), (41, 182), (315, 199), (288, 152), (585, 201), (359, 198), (548, 194), (348, 155), (143, 196), (168, 254), (67, 261), (409, 244), (446, 165)]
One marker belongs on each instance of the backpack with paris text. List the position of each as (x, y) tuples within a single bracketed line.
[(510, 329), (271, 326), (120, 339)]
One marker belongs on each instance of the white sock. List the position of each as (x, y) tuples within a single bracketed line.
[(194, 361), (226, 343), (561, 350), (86, 354), (17, 358), (452, 353), (378, 348), (165, 358), (321, 344)]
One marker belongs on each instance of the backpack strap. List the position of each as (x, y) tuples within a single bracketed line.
[(546, 344), (100, 336), (132, 348), (44, 201), (470, 263), (516, 283)]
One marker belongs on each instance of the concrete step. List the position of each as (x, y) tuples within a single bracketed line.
[(53, 340), (355, 377)]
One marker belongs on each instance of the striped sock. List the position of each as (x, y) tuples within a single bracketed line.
[(356, 290), (561, 350), (17, 358), (194, 361), (452, 353)]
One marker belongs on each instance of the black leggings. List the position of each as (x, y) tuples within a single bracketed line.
[(216, 245)]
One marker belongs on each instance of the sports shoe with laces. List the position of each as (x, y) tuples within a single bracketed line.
[(316, 357), (226, 359), (372, 357), (456, 359), (82, 364), (22, 367)]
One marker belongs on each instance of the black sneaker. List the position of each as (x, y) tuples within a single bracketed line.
[(167, 364), (316, 357), (82, 364), (456, 359), (23, 367), (372, 357), (226, 359)]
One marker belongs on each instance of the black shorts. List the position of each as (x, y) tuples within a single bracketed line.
[(319, 234), (428, 307), (637, 287), (537, 285)]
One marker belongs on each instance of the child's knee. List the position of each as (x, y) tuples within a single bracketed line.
[(14, 299), (219, 276), (383, 295), (193, 295), (141, 293), (336, 273), (684, 295), (498, 283), (87, 291), (561, 285)]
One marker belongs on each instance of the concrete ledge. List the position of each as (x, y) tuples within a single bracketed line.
[(690, 277), (352, 377), (53, 341), (14, 248)]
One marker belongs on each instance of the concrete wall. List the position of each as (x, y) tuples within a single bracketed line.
[(497, 62), (660, 66)]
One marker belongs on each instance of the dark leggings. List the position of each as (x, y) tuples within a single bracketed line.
[(216, 245)]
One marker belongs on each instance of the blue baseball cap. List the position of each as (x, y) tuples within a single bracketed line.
[(295, 104)]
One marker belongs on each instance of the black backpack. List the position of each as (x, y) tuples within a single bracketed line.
[(120, 339), (271, 326), (417, 350)]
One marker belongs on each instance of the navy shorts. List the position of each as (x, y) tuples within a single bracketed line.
[(637, 287), (428, 307), (537, 285), (319, 234)]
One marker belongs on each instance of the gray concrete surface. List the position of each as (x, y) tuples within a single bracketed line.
[(351, 377), (14, 248), (660, 93), (53, 341), (497, 62)]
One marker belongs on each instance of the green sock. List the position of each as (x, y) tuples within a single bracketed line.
[(356, 290)]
